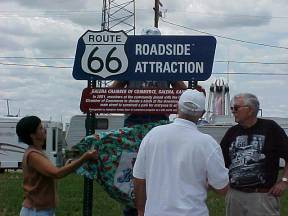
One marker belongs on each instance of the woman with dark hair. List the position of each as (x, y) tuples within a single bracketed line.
[(39, 173)]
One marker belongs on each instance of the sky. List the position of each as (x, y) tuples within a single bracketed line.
[(38, 43)]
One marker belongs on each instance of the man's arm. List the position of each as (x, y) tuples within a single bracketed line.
[(280, 186), (217, 173), (281, 140), (140, 195)]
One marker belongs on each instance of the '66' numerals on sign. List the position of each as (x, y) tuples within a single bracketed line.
[(108, 62)]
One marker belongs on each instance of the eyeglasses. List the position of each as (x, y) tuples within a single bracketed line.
[(236, 108)]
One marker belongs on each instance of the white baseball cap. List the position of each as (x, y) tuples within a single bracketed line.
[(150, 31), (191, 101)]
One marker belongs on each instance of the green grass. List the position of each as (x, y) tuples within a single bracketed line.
[(70, 194), (70, 197)]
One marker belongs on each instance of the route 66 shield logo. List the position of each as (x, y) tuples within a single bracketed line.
[(104, 53)]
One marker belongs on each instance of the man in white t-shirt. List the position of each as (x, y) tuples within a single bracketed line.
[(176, 163)]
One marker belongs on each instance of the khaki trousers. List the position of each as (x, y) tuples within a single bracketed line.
[(251, 204)]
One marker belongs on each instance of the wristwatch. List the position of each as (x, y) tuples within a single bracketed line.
[(284, 179)]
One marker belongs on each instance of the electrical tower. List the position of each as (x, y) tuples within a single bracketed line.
[(117, 15)]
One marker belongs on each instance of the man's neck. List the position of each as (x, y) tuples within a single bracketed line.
[(249, 123), (189, 118)]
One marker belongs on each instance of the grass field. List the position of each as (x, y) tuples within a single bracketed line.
[(70, 194)]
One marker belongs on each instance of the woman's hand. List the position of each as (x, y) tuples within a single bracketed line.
[(91, 155), (68, 161)]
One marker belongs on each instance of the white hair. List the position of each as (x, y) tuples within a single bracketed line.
[(150, 31), (249, 100)]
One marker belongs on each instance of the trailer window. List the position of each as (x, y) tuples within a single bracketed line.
[(59, 140), (101, 124)]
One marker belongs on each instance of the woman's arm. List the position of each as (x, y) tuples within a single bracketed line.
[(45, 167)]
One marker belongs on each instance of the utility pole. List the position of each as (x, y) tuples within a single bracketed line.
[(8, 109), (191, 84), (8, 105), (157, 13)]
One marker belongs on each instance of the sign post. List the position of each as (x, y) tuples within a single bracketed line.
[(88, 183)]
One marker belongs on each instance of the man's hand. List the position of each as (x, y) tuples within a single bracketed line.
[(278, 189)]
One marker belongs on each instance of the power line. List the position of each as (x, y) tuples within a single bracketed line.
[(225, 73), (44, 58), (230, 15), (224, 37), (251, 62), (39, 15), (252, 73), (72, 58), (13, 12), (61, 12), (33, 65), (50, 11)]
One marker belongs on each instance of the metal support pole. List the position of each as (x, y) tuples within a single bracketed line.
[(88, 197), (88, 183)]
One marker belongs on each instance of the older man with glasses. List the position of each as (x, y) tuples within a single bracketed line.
[(252, 150)]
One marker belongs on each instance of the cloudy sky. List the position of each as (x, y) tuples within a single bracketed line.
[(38, 42)]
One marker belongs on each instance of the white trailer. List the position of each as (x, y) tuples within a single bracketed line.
[(11, 149), (103, 122), (217, 126)]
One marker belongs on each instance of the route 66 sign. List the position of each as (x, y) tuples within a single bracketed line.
[(104, 53), (112, 55)]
